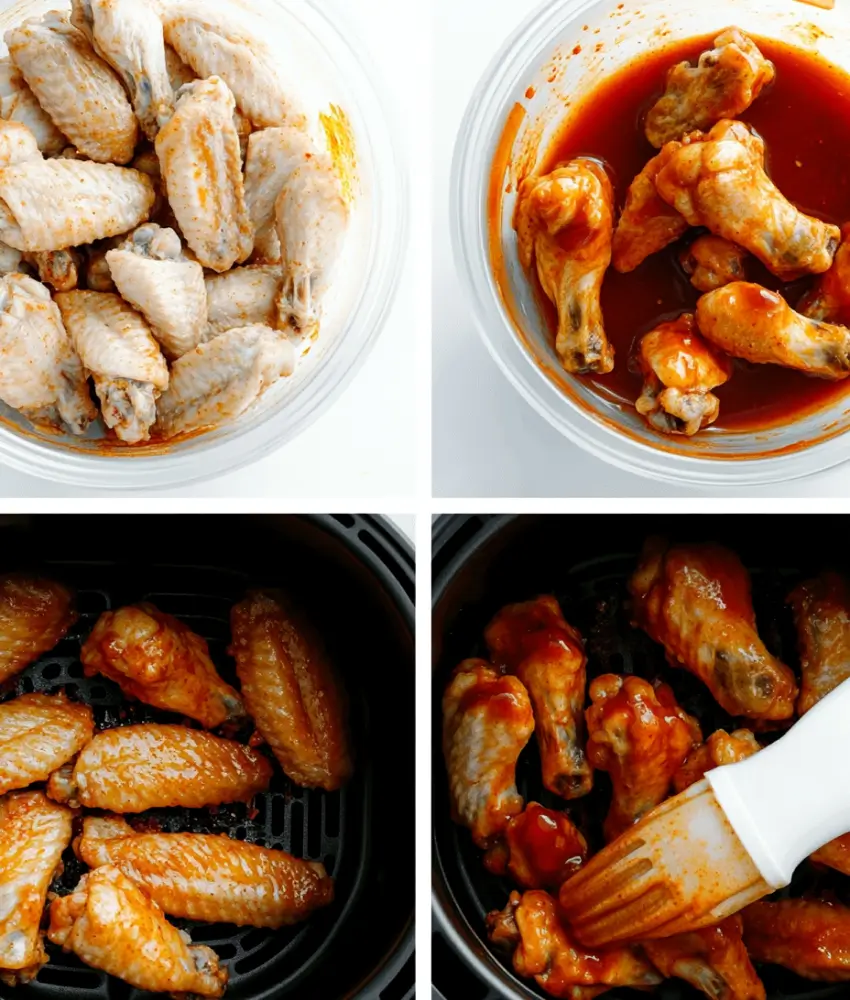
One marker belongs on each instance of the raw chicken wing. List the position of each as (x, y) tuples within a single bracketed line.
[(720, 748), (34, 615), (17, 144), (58, 268), (712, 262), (808, 936), (245, 296), (18, 103), (541, 850), (829, 300)]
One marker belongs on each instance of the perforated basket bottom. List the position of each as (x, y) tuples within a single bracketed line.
[(309, 823)]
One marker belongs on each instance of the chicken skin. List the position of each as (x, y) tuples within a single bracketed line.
[(829, 300), (695, 600), (821, 609), (58, 268), (712, 262), (544, 949), (487, 721), (723, 84), (34, 615), (810, 937), (533, 641), (679, 371), (750, 322), (720, 748), (243, 296), (110, 924), (640, 736), (19, 104), (292, 689), (149, 766), (33, 834), (159, 660), (565, 224), (209, 877)]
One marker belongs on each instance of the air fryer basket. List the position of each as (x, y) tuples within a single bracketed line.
[(482, 563), (355, 576)]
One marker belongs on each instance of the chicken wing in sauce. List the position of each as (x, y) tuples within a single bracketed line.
[(718, 180), (829, 300), (720, 748), (487, 721), (159, 660), (712, 262), (292, 689), (695, 600), (821, 609), (565, 223), (679, 371), (34, 615), (533, 641), (723, 84), (750, 322), (640, 736), (810, 937)]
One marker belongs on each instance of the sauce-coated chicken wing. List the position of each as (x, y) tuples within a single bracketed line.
[(695, 600), (720, 748), (829, 300), (34, 615), (712, 262), (810, 937), (533, 641), (640, 736), (565, 223), (821, 609), (541, 849)]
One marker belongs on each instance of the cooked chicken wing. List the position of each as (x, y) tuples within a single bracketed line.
[(292, 689), (487, 720), (208, 877), (541, 850), (33, 834), (719, 181), (821, 608), (127, 34), (153, 274), (695, 600), (720, 748), (565, 222), (835, 854), (713, 960), (750, 322), (38, 734), (712, 262), (58, 268), (679, 370), (543, 947), (110, 924), (134, 768), (533, 641), (245, 296), (829, 300), (640, 736), (723, 84), (810, 937), (18, 103), (116, 346), (40, 373), (222, 378), (34, 615), (75, 87)]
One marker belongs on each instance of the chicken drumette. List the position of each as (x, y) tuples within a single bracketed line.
[(712, 262), (720, 748), (829, 300), (34, 615), (810, 937), (541, 849)]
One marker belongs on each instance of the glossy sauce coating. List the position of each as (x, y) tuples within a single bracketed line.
[(542, 848)]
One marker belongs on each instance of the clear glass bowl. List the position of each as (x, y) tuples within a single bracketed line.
[(327, 61), (541, 70)]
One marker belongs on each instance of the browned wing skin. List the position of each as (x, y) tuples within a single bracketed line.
[(695, 600), (712, 262), (533, 641), (723, 84), (810, 937), (209, 877), (821, 609), (565, 223), (487, 720), (640, 736), (829, 300), (541, 849), (713, 960), (544, 949), (720, 748), (718, 180), (750, 322), (34, 615), (291, 689), (33, 834), (110, 924), (159, 660), (679, 370), (38, 734)]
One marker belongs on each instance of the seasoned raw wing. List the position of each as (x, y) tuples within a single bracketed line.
[(97, 274), (162, 662), (810, 937), (720, 748), (207, 877), (179, 73), (115, 344), (34, 615), (695, 600), (153, 274), (33, 834), (541, 849), (487, 721), (292, 689), (17, 144), (38, 734), (712, 262), (222, 378), (58, 268), (829, 300), (134, 768), (54, 204), (110, 924), (640, 736), (245, 296), (821, 608), (40, 371), (18, 103), (533, 641), (74, 86), (201, 165)]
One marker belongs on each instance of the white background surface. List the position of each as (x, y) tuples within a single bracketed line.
[(364, 446), (487, 441)]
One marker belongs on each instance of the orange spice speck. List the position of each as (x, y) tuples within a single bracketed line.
[(530, 93), (577, 50)]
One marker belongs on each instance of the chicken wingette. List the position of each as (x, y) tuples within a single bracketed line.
[(19, 104), (243, 296), (34, 615)]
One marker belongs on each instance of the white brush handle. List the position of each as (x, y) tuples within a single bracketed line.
[(794, 796)]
